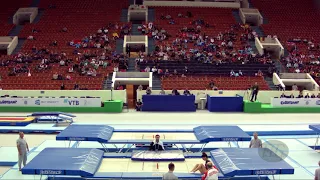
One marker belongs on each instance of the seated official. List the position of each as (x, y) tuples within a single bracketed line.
[(138, 105), (156, 145), (313, 96), (283, 96), (300, 95), (291, 96), (175, 92), (307, 96), (186, 92)]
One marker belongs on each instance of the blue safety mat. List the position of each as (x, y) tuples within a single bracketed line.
[(248, 161), (168, 155), (316, 128), (207, 134), (98, 133), (51, 114), (65, 161)]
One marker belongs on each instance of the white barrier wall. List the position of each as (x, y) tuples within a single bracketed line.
[(295, 102), (103, 94), (51, 102), (12, 46), (263, 96)]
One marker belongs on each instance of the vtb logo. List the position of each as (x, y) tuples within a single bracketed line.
[(74, 103)]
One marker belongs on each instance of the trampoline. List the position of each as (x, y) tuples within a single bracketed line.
[(56, 117), (316, 129), (94, 164), (16, 121), (106, 135)]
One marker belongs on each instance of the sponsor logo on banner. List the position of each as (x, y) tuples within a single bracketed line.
[(265, 172), (39, 102), (289, 102), (50, 172), (307, 102), (230, 139), (72, 102), (318, 102), (8, 102), (25, 102)]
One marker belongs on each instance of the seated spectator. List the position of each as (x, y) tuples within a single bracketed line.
[(62, 87), (148, 91), (147, 69), (240, 73), (313, 96), (297, 70), (68, 77), (54, 43), (259, 73), (116, 69), (31, 37), (175, 72), (167, 73), (70, 69), (64, 29), (140, 87), (154, 69), (76, 86), (62, 63), (295, 87), (138, 105), (232, 73), (182, 75), (186, 92), (307, 96), (211, 84), (55, 76), (162, 92)]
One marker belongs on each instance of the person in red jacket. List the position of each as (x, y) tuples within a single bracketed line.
[(212, 173)]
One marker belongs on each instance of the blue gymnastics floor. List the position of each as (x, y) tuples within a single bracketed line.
[(292, 130), (301, 157)]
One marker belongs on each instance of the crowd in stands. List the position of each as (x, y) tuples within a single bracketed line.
[(304, 56)]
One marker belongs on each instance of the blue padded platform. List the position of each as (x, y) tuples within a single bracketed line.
[(315, 128), (98, 133), (207, 134), (168, 155), (168, 103), (247, 161), (65, 161), (51, 114)]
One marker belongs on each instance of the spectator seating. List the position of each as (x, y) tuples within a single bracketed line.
[(195, 82), (81, 18), (7, 10)]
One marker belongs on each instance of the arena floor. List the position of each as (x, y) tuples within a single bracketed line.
[(301, 157)]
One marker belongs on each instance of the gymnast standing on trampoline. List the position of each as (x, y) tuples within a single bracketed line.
[(202, 168)]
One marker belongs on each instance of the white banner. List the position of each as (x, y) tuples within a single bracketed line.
[(51, 102), (295, 102)]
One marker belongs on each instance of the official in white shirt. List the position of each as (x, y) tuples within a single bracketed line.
[(156, 145), (23, 149), (255, 142), (317, 173)]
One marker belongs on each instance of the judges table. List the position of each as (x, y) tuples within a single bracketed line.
[(295, 102), (168, 103), (225, 103)]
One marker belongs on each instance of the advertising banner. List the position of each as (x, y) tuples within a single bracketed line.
[(295, 102), (51, 102)]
